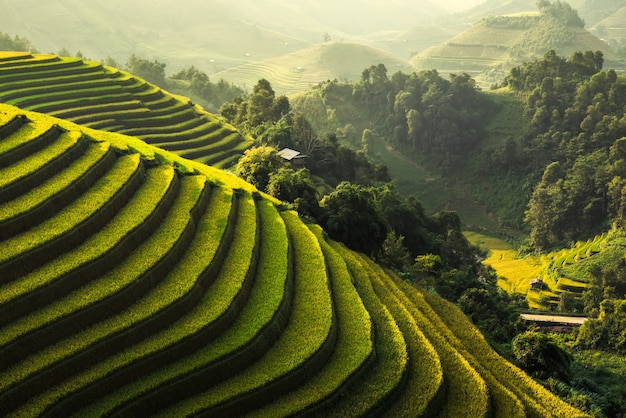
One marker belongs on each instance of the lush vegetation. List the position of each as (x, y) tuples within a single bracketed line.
[(179, 303), (106, 98), (196, 248), (15, 43), (214, 95), (271, 121), (576, 114)]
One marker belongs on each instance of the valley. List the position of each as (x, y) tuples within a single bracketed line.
[(464, 162)]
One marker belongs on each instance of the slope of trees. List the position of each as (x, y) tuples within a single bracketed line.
[(212, 93), (152, 71), (566, 165), (578, 129), (422, 113), (271, 120), (15, 43)]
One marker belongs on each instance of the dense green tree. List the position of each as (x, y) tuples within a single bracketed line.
[(214, 94), (393, 253), (608, 331), (257, 164), (16, 43), (279, 134), (414, 123), (617, 200), (111, 62), (407, 218), (152, 71), (259, 111), (547, 209), (538, 353), (495, 312), (351, 215), (367, 138), (295, 187), (350, 133), (455, 249), (374, 88), (426, 269), (305, 137), (567, 303)]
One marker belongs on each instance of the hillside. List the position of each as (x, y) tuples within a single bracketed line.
[(203, 33), (309, 19), (105, 98), (299, 71), (135, 281), (217, 36), (493, 45), (612, 27), (595, 11)]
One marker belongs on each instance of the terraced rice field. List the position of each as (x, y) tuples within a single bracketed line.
[(284, 80), (515, 273), (100, 97), (134, 282)]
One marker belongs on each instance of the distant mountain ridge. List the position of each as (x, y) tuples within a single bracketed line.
[(221, 37), (489, 48), (299, 71)]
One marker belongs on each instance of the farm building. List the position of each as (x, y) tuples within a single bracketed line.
[(295, 158), (536, 284)]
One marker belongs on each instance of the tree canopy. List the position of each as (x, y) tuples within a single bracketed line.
[(15, 43), (152, 71), (257, 164)]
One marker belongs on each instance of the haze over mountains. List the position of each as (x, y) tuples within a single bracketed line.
[(244, 40)]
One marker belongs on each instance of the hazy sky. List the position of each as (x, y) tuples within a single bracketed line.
[(458, 5)]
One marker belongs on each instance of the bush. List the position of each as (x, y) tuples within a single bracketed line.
[(539, 354)]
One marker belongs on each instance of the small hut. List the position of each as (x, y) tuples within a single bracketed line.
[(536, 284), (293, 157)]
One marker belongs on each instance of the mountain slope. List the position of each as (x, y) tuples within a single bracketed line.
[(298, 71), (105, 98), (146, 287), (612, 27), (493, 45), (202, 33)]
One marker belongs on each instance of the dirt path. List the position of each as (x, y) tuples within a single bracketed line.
[(555, 319)]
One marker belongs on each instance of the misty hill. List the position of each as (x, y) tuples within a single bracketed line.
[(300, 70), (487, 49), (203, 33), (419, 38), (241, 41), (498, 7), (231, 39), (595, 11), (613, 26)]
